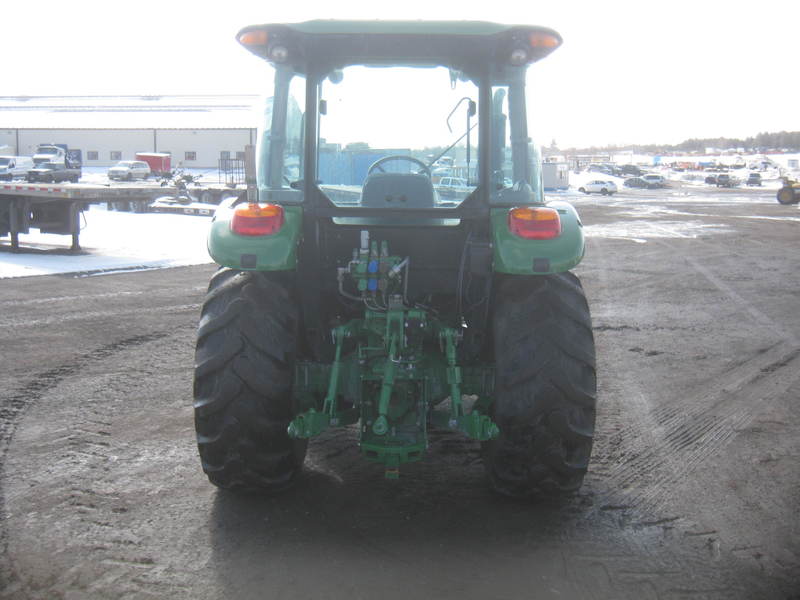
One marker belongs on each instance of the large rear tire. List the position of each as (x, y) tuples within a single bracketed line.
[(787, 195), (545, 387), (244, 368)]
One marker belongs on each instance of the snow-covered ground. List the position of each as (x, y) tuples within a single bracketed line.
[(113, 241)]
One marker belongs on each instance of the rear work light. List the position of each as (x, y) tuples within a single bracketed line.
[(257, 219), (534, 223)]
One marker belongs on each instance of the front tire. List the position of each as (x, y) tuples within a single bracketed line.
[(545, 392), (244, 368)]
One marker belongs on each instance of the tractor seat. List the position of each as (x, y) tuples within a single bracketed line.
[(394, 190)]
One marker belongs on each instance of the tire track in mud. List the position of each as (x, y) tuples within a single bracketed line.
[(688, 432), (13, 407), (640, 461)]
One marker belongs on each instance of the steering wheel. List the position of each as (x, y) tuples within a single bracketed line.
[(376, 166)]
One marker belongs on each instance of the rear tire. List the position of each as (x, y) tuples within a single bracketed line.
[(545, 390), (786, 196), (244, 368)]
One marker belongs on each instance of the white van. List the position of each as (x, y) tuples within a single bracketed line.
[(14, 167)]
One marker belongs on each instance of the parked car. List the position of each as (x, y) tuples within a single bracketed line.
[(605, 169), (631, 170), (655, 180), (129, 169), (15, 167), (711, 179), (450, 187), (725, 180), (754, 179), (599, 187), (638, 182), (50, 172)]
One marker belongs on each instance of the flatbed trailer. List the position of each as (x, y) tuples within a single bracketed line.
[(56, 208)]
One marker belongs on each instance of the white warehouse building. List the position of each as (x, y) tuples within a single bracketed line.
[(196, 130)]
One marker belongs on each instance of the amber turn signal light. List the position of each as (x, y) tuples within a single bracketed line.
[(540, 39)]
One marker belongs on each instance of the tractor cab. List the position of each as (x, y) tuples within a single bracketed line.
[(362, 112)]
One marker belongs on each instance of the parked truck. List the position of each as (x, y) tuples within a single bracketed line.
[(55, 163), (53, 153)]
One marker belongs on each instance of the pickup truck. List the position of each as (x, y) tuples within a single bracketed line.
[(50, 172)]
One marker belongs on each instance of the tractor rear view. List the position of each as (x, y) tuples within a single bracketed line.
[(353, 294)]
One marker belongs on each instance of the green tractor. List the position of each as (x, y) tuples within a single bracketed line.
[(354, 292)]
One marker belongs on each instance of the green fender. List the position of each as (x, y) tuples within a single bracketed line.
[(276, 252), (518, 256)]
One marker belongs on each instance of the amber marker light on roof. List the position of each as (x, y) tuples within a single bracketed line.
[(257, 219), (257, 37), (540, 39), (539, 223)]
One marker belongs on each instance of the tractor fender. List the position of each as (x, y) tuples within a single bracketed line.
[(277, 252), (518, 256)]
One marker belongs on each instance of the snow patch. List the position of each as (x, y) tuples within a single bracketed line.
[(112, 242)]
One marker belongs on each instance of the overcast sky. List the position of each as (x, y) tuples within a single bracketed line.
[(628, 72)]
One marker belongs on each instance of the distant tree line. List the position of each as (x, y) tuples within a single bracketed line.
[(782, 140)]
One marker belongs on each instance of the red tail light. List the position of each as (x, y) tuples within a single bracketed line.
[(257, 219), (534, 223)]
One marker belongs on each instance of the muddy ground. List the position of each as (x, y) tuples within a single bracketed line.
[(693, 492)]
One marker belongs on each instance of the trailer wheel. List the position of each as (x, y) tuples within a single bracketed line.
[(545, 392), (244, 369)]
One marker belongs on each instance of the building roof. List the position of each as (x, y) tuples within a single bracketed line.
[(130, 112)]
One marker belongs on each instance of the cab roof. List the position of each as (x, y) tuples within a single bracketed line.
[(321, 45), (408, 27)]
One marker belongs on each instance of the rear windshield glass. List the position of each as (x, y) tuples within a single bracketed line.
[(398, 136)]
